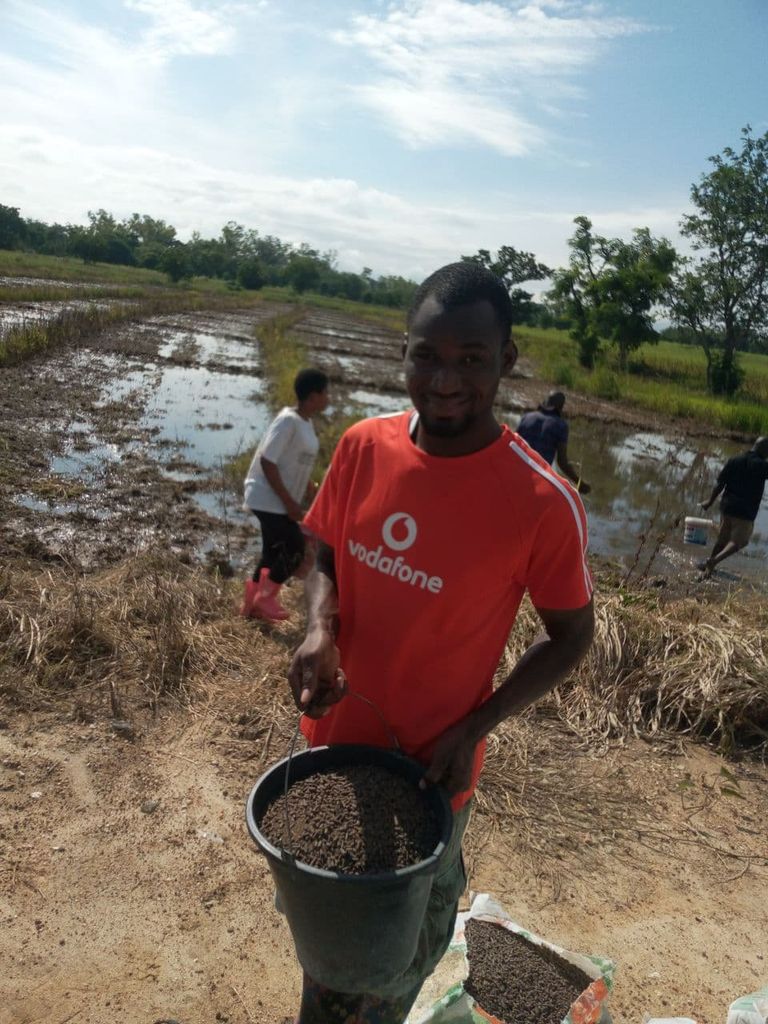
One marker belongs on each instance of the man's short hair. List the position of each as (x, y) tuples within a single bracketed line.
[(308, 382), (554, 400), (460, 284)]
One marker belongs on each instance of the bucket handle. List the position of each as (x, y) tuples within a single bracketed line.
[(347, 693)]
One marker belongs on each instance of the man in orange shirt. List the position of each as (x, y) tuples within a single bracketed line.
[(432, 524)]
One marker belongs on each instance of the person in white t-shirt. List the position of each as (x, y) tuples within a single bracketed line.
[(277, 483)]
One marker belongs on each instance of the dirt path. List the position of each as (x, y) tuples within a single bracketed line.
[(131, 891)]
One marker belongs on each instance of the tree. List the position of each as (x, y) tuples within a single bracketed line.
[(302, 272), (145, 230), (513, 267), (723, 296), (611, 289), (52, 239), (175, 262), (12, 227), (250, 274)]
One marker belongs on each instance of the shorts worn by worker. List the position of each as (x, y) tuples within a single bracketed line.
[(391, 1003), (734, 529)]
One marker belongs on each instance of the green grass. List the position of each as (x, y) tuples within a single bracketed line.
[(124, 280), (668, 378), (383, 316), (283, 356), (66, 268), (687, 365)]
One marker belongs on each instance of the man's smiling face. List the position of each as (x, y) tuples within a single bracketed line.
[(453, 363)]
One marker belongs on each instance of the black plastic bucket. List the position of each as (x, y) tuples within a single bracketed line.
[(353, 933)]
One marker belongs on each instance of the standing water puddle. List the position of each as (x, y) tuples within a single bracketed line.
[(208, 416), (206, 401), (641, 482)]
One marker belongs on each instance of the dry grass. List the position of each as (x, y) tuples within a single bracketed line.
[(656, 668), (154, 630), (150, 628), (667, 667)]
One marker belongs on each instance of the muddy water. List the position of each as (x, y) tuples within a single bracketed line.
[(642, 483), (201, 400)]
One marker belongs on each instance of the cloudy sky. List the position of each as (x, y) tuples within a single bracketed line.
[(401, 134)]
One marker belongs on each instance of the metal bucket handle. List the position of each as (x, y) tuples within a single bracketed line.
[(347, 693)]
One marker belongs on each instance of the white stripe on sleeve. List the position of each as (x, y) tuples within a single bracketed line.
[(552, 477)]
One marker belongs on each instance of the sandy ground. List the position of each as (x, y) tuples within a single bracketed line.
[(131, 891)]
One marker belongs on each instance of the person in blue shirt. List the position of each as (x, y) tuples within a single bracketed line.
[(742, 483), (546, 431)]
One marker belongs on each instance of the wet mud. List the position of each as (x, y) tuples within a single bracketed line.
[(125, 442)]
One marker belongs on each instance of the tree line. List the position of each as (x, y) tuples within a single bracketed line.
[(611, 293), (239, 255)]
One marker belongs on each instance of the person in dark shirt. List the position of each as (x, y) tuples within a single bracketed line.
[(546, 431), (742, 482)]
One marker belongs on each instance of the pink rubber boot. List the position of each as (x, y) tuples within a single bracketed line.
[(266, 604), (250, 595)]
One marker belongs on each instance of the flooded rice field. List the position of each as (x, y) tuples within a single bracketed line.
[(128, 440)]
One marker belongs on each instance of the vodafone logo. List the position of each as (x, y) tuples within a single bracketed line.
[(398, 532), (402, 524)]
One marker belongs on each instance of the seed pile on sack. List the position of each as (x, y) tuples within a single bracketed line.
[(514, 980), (357, 820)]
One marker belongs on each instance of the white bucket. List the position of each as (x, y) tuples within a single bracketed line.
[(696, 531)]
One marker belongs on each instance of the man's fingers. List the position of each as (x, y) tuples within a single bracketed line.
[(308, 684), (434, 773)]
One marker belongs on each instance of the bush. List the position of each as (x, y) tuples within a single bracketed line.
[(726, 376), (250, 274), (175, 263), (605, 384), (562, 374)]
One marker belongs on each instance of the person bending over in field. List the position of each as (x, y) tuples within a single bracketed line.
[(546, 431), (742, 482), (277, 483), (432, 525)]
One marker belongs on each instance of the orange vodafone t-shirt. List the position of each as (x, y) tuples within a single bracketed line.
[(432, 557)]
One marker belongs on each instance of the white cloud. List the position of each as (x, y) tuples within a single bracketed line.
[(365, 225), (180, 27), (100, 121), (456, 71)]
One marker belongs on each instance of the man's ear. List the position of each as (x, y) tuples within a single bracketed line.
[(508, 357)]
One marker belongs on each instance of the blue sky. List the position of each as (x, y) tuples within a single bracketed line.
[(400, 134)]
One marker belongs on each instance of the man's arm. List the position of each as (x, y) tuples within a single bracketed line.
[(315, 674), (275, 481), (549, 659), (719, 486), (567, 469)]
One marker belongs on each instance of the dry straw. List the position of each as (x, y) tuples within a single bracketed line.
[(659, 667), (154, 624), (154, 630)]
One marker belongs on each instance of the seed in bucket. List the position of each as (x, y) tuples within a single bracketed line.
[(515, 981), (355, 820)]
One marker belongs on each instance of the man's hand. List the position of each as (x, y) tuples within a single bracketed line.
[(452, 760), (294, 510), (316, 679)]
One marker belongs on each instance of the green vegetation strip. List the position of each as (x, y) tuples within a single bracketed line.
[(74, 326), (283, 355), (66, 268), (668, 378), (382, 316)]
